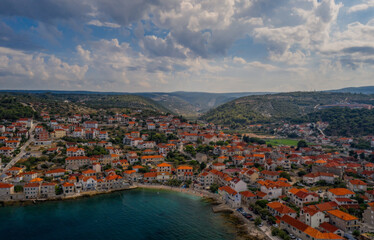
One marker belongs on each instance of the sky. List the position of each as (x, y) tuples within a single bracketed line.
[(186, 45)]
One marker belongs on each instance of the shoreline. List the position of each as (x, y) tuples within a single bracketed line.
[(26, 202), (243, 229)]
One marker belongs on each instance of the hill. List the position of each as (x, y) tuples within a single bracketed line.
[(188, 104), (193, 104), (345, 121), (278, 107), (11, 108), (85, 103), (364, 90)]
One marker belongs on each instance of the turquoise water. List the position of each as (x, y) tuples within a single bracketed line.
[(135, 214)]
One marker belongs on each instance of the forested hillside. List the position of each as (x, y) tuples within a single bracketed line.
[(11, 108), (345, 121), (278, 107)]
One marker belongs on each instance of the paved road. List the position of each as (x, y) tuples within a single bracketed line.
[(265, 228), (23, 149)]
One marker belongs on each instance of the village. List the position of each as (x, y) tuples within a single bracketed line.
[(294, 192)]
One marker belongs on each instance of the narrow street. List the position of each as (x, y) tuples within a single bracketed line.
[(23, 150)]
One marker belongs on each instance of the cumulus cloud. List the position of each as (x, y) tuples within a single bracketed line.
[(188, 43), (38, 70), (98, 23), (361, 7)]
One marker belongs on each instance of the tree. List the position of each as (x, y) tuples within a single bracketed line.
[(262, 203), (202, 166), (18, 188), (58, 190), (301, 173), (190, 149), (356, 233), (302, 144), (258, 221), (213, 188), (285, 175)]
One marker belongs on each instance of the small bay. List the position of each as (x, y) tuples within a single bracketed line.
[(135, 214)]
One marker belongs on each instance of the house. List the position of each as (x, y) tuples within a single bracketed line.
[(6, 191), (68, 188), (271, 189), (270, 175), (28, 176), (344, 221), (48, 190), (15, 170), (74, 152), (312, 178), (327, 227), (150, 176), (301, 197), (368, 215), (163, 176), (249, 176), (339, 193), (31, 190), (230, 196), (312, 216), (279, 209), (219, 166), (6, 151), (248, 197), (77, 162), (205, 179), (303, 231), (59, 133), (131, 175), (164, 167), (89, 173), (238, 185), (103, 135), (357, 185), (55, 173), (185, 173), (12, 143), (88, 183), (152, 159)]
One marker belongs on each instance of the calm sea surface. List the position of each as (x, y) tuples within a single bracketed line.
[(135, 214)]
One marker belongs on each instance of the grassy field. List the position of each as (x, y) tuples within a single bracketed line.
[(286, 142)]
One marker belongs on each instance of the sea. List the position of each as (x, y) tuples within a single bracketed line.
[(133, 214)]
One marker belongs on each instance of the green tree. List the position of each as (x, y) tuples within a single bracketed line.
[(258, 221), (18, 188), (214, 188), (302, 144)]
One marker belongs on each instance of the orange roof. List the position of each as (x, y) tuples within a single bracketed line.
[(37, 180), (342, 215), (357, 182), (150, 175), (60, 170), (228, 189), (247, 194), (185, 167), (5, 185), (164, 165), (66, 184), (152, 156), (340, 191), (129, 171), (296, 190), (32, 185), (281, 208), (89, 171), (15, 169)]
